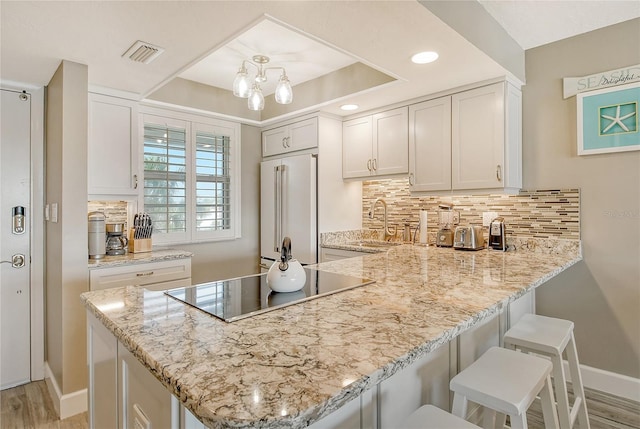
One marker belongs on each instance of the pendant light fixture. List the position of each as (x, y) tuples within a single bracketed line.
[(245, 87)]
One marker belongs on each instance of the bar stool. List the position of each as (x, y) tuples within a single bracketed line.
[(430, 417), (551, 337), (505, 382)]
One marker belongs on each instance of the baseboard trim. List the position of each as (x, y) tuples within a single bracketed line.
[(608, 382), (66, 405)]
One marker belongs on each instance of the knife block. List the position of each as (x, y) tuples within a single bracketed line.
[(138, 245)]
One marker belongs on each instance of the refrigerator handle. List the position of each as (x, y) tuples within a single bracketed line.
[(276, 206), (281, 205)]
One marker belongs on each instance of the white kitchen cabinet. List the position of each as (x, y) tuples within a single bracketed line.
[(477, 340), (430, 145), (145, 402), (112, 146), (486, 138), (102, 360), (376, 145), (289, 138), (471, 140), (327, 254), (159, 275), (426, 381), (526, 304)]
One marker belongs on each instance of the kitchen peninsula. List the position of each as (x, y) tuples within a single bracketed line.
[(295, 366)]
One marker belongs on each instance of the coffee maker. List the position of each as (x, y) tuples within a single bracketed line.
[(116, 242), (497, 234)]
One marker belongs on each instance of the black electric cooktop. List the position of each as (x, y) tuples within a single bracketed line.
[(242, 297)]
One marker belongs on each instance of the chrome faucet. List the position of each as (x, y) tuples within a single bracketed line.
[(387, 234)]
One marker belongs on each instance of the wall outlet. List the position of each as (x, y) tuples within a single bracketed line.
[(487, 217)]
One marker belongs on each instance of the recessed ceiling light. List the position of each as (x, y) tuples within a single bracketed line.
[(349, 106), (424, 57)]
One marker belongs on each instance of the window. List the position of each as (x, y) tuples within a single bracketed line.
[(191, 177)]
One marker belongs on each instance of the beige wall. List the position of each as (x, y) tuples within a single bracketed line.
[(602, 293), (226, 259), (67, 275)]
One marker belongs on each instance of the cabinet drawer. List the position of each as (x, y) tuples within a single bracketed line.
[(141, 274)]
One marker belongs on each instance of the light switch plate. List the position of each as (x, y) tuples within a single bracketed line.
[(54, 212), (487, 217)]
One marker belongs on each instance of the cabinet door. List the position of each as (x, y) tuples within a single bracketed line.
[(102, 357), (146, 403), (478, 138), (391, 142), (289, 138), (112, 149), (303, 135), (477, 340), (274, 141), (161, 272), (425, 381), (328, 254), (357, 137), (430, 145)]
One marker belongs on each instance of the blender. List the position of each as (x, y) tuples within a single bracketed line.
[(446, 218)]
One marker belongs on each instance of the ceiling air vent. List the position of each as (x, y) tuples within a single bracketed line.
[(143, 52)]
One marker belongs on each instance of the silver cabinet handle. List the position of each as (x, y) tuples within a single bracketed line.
[(288, 141), (375, 164), (499, 173), (147, 274), (369, 165), (284, 142), (411, 179), (135, 181)]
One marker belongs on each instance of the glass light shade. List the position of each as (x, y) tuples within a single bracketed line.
[(284, 93), (242, 84), (256, 99)]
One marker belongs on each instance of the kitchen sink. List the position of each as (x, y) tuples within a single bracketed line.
[(373, 243)]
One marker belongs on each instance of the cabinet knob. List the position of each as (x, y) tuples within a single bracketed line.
[(499, 173)]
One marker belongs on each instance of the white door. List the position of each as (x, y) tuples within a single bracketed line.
[(15, 143)]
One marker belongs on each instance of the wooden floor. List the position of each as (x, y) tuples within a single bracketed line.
[(30, 406)]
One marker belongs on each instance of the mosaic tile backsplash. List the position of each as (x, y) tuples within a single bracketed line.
[(114, 211), (539, 214)]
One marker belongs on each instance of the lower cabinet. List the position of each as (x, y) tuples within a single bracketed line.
[(159, 275), (102, 357), (426, 381), (145, 402), (327, 254)]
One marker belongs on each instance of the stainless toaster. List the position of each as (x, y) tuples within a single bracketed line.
[(468, 237)]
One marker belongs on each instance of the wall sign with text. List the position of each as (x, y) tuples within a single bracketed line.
[(608, 120)]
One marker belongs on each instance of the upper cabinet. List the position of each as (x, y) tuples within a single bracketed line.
[(112, 147), (376, 145), (430, 145), (470, 140), (288, 138)]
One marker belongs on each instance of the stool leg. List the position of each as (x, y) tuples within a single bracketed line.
[(488, 418), (520, 422), (459, 406), (548, 405), (576, 382), (560, 382)]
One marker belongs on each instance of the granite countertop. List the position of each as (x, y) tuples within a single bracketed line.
[(138, 258), (293, 366)]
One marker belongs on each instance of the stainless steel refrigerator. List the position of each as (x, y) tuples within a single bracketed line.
[(288, 208)]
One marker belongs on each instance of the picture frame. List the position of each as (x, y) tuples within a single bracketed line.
[(607, 120)]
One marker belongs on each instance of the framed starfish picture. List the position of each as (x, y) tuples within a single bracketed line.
[(608, 120)]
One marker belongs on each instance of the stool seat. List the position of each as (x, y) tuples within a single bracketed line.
[(554, 337), (503, 380), (430, 417), (540, 333)]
